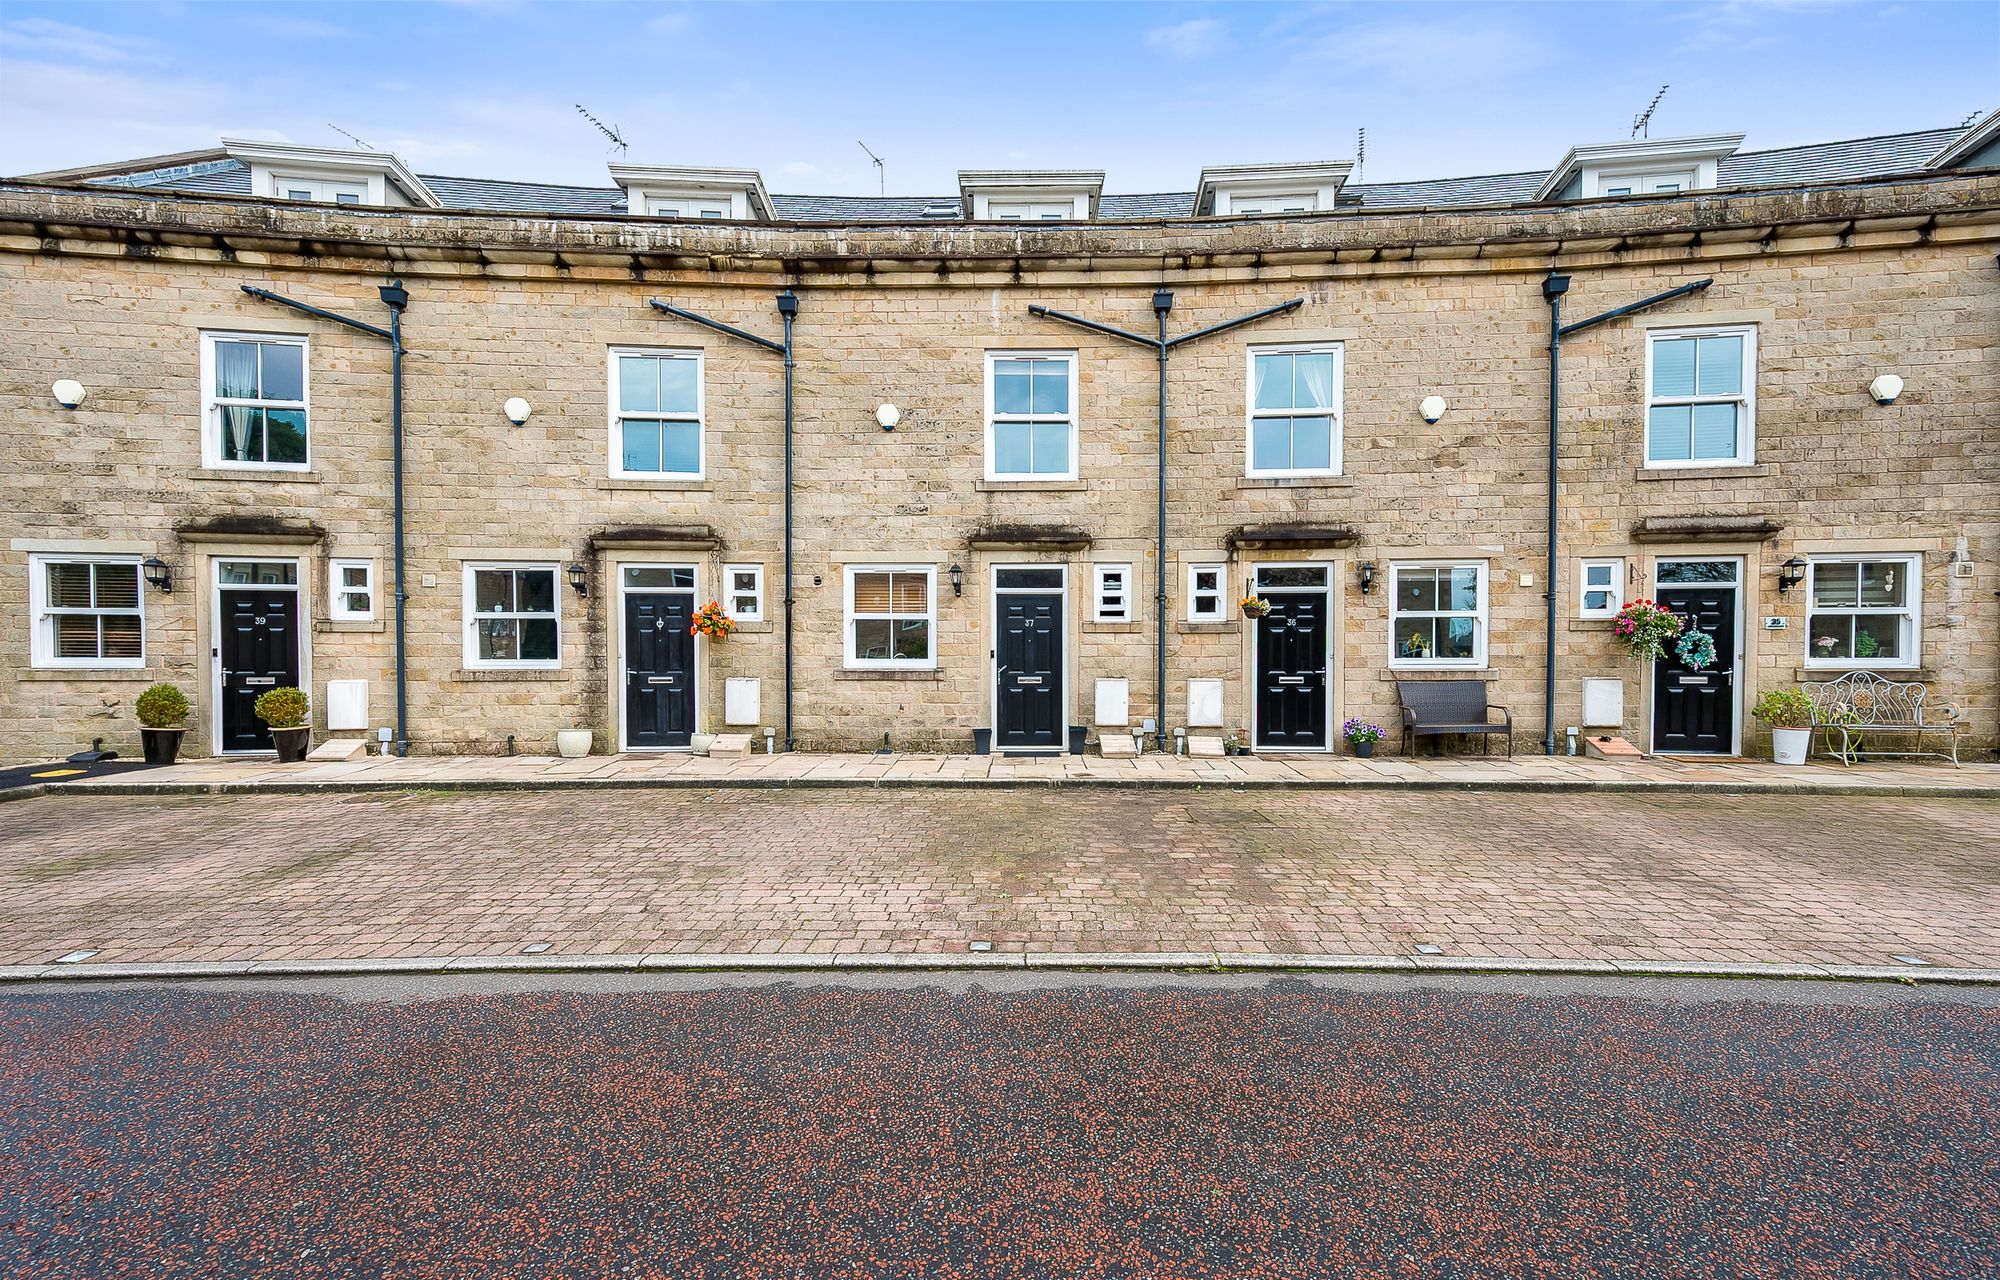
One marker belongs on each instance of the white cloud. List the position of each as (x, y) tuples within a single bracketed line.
[(42, 37), (1190, 39)]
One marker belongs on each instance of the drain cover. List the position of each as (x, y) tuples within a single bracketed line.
[(979, 946)]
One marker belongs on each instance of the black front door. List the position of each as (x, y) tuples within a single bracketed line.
[(259, 652), (659, 669), (1291, 672), (1029, 656), (1694, 710)]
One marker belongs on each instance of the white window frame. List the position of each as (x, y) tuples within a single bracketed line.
[(1336, 431), (1912, 608), (1266, 205), (336, 605), (618, 415), (325, 190), (691, 208), (1746, 436), (1059, 210), (1098, 611), (1479, 615), (1074, 417), (848, 619), (730, 593), (1646, 182), (469, 608), (42, 615), (1583, 586), (212, 404), (1195, 613)]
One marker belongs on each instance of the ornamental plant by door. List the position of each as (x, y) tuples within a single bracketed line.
[(1644, 627), (1789, 713), (1254, 606), (1361, 737), (284, 709), (162, 722), (711, 621)]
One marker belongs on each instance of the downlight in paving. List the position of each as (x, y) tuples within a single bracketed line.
[(1429, 949), (1909, 959), (979, 946), (534, 948), (75, 957)]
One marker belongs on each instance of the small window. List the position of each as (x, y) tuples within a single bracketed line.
[(1204, 598), (659, 577), (1297, 202), (656, 406), (255, 388), (1438, 615), (1701, 400), (1031, 417), (353, 584), (711, 210), (746, 591), (1601, 584), (1030, 210), (321, 191), (511, 618), (1294, 411), (1863, 612), (889, 617), (1112, 592), (86, 612)]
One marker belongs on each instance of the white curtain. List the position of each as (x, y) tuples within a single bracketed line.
[(1316, 372)]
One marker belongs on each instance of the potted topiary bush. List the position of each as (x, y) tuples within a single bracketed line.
[(284, 709), (1789, 713), (162, 722)]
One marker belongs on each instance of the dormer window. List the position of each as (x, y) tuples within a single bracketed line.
[(1030, 195), (1031, 210), (326, 192), (693, 195), (328, 175), (1639, 167), (1261, 190), (689, 207)]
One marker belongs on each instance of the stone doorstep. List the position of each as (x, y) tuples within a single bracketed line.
[(730, 746), (1117, 746), (1616, 750), (339, 749), (1204, 747)]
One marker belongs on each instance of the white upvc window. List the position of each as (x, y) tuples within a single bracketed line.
[(320, 190), (891, 616), (1293, 415), (1204, 592), (1031, 415), (1279, 202), (352, 583), (1111, 593), (1031, 210), (254, 401), (745, 598), (1437, 614), (1600, 588), (512, 616), (86, 611), (1653, 182), (1701, 397), (656, 413), (1864, 611), (689, 207)]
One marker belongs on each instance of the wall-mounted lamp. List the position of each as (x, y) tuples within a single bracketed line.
[(1885, 388), (1366, 570), (887, 416), (68, 392), (957, 579), (1790, 574), (159, 575), (579, 577), (1432, 408), (517, 410)]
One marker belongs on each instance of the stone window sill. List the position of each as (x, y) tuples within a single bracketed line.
[(349, 626), (1205, 628), (852, 673), (483, 674), (1701, 473), (255, 475), (1393, 674), (754, 628), (617, 483), (1115, 628), (1029, 486), (90, 675), (1295, 482), (1902, 675)]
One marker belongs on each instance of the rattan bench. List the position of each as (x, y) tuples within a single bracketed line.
[(1435, 708), (1861, 703)]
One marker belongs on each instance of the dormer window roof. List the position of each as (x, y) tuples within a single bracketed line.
[(329, 175), (1247, 190), (693, 194), (1977, 148), (1639, 166), (1030, 195)]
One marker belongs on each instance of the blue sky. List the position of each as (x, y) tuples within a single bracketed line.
[(1149, 93)]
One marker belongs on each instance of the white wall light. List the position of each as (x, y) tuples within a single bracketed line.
[(888, 415), (1432, 408), (1886, 388), (68, 393), (517, 411)]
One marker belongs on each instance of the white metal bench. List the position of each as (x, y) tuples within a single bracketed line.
[(1861, 703)]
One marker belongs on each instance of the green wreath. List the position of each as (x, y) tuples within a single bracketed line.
[(1696, 648)]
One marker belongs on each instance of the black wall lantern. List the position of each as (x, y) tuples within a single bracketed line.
[(159, 576), (957, 579), (1367, 571), (579, 577), (1790, 574)]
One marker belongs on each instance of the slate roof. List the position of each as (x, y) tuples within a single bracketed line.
[(1819, 162)]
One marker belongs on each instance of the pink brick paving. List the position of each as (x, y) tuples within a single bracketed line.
[(1778, 879)]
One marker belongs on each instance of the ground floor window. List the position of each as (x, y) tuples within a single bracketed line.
[(1204, 598), (746, 591), (1438, 616), (353, 590), (1863, 612), (87, 612), (511, 616), (890, 616), (1601, 587), (1111, 592)]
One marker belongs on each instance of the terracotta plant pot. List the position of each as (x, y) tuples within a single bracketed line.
[(162, 746), (292, 743)]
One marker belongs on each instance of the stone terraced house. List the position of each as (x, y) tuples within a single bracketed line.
[(961, 459)]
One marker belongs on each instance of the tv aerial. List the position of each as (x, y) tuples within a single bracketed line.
[(881, 174), (1642, 123), (617, 140)]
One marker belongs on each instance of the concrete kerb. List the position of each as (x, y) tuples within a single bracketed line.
[(843, 962)]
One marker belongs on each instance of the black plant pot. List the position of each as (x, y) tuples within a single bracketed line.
[(1076, 736), (1362, 749), (982, 742), (162, 746), (292, 743)]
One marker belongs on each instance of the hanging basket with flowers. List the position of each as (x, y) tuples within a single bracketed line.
[(1645, 627), (1254, 606), (711, 621)]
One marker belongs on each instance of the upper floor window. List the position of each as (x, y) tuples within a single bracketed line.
[(1864, 611), (1288, 202), (324, 190), (1700, 396), (255, 388), (1031, 416), (1111, 592), (656, 406), (673, 207), (1662, 183), (1295, 410), (511, 618), (86, 612), (1438, 615), (1031, 210), (890, 616)]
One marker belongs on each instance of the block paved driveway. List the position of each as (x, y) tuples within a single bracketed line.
[(1826, 880)]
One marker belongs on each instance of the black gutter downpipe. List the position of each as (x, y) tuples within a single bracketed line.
[(1553, 289), (396, 298), (1163, 302), (788, 308)]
